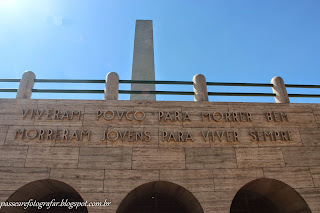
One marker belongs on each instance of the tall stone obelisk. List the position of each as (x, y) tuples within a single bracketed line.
[(143, 60)]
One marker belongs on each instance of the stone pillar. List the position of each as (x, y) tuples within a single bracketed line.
[(280, 90), (200, 88), (111, 91), (26, 85), (143, 60)]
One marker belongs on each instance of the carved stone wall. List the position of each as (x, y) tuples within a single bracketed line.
[(105, 149)]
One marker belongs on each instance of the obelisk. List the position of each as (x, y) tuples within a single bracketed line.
[(143, 60)]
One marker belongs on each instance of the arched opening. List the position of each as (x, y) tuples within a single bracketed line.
[(160, 197), (50, 191), (268, 196)]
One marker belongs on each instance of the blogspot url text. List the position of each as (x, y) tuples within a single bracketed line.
[(53, 203)]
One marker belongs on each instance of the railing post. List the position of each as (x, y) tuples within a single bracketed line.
[(111, 91), (200, 88), (279, 88), (26, 85)]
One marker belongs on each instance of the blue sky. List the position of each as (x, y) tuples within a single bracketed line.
[(227, 41)]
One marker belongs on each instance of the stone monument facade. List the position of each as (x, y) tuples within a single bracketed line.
[(205, 156), (133, 156)]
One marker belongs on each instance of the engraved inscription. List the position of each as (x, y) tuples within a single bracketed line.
[(109, 115), (177, 136), (126, 135), (277, 117), (49, 134), (173, 116), (271, 135), (226, 116), (229, 136), (51, 114)]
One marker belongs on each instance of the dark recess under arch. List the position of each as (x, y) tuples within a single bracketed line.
[(268, 196), (45, 190), (160, 197)]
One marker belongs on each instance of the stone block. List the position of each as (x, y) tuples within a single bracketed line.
[(11, 179), (210, 158), (301, 156), (316, 113), (259, 157), (92, 174), (127, 180), (105, 158), (15, 107), (16, 114), (310, 136), (234, 179), (3, 134), (82, 180), (13, 156), (192, 180), (53, 157), (158, 158), (315, 172), (295, 177)]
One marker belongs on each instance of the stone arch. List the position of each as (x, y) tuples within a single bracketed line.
[(45, 190), (161, 195), (268, 195)]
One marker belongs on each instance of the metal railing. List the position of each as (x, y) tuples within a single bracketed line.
[(162, 92)]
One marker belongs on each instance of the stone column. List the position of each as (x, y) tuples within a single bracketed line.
[(111, 91), (26, 85), (143, 60), (280, 90), (200, 88)]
